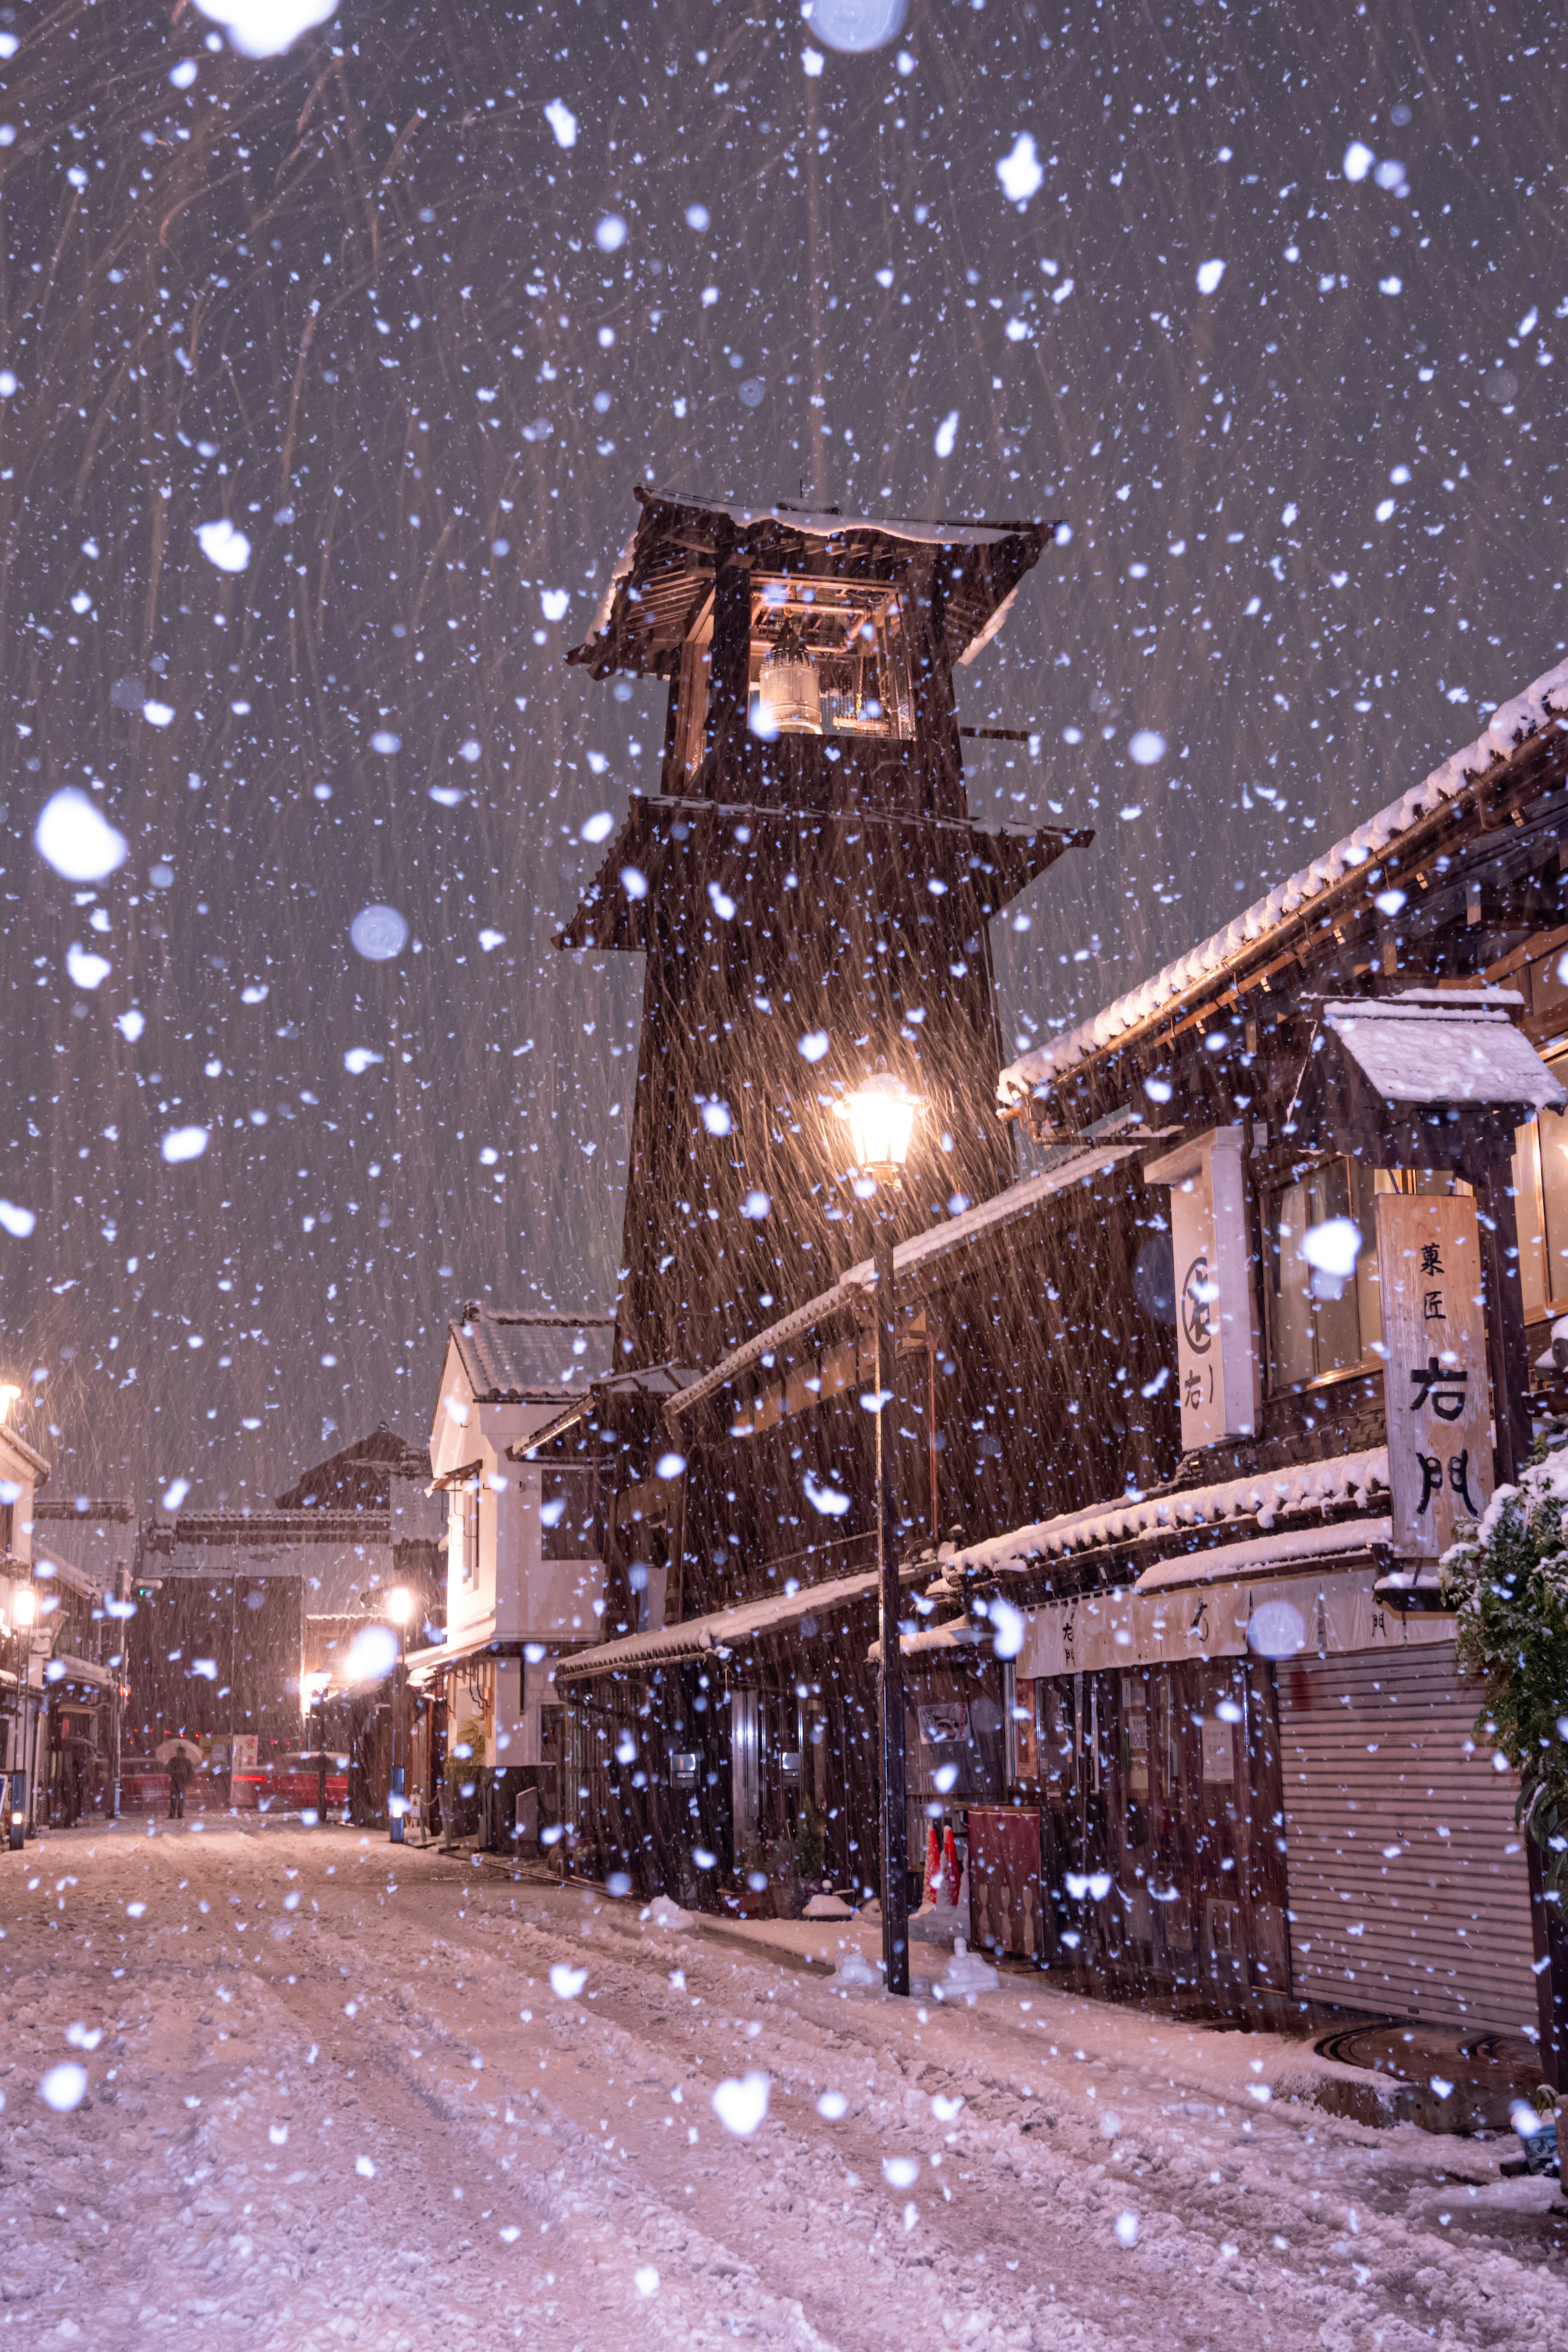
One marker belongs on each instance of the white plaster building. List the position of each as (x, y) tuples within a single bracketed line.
[(524, 1580)]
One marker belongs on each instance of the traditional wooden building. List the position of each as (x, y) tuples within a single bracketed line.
[(812, 898), (1204, 1394)]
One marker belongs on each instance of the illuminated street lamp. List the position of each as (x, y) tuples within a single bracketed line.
[(400, 1607), (881, 1115), (24, 1614)]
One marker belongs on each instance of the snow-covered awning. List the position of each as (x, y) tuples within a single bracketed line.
[(1265, 1555), (424, 1665), (47, 1563), (1511, 724), (65, 1668), (725, 1629), (1081, 1168), (1345, 1481), (1437, 1047)]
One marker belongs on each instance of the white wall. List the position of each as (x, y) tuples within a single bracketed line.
[(515, 1595)]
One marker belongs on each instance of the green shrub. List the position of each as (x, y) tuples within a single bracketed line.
[(1508, 1579)]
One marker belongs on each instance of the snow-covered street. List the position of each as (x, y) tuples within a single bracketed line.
[(333, 2096)]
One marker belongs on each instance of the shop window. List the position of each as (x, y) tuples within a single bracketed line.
[(1324, 1318), (463, 1531), (1540, 1189)]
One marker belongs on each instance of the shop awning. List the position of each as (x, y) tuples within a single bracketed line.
[(1439, 1047), (1344, 1481), (424, 1665), (1267, 1556), (726, 1629), (77, 1670)]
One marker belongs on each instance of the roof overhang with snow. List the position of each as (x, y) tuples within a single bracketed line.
[(667, 570), (1346, 1482), (1440, 1048), (726, 1629), (1080, 1166), (1541, 710)]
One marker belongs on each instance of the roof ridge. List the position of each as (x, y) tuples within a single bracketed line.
[(1511, 724)]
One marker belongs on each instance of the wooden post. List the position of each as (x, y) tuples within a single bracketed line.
[(1551, 1936), (1508, 1355)]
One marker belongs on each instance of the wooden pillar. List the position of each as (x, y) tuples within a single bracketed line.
[(1508, 1355), (729, 680)]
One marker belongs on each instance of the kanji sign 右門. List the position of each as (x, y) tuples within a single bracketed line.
[(1438, 1399)]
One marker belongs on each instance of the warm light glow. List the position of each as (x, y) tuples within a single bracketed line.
[(24, 1605), (9, 1393), (881, 1116), (400, 1604)]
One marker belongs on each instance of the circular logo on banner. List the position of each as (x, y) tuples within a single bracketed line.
[(1197, 1298)]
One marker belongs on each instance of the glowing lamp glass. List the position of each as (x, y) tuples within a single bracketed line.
[(400, 1604), (24, 1606), (881, 1116)]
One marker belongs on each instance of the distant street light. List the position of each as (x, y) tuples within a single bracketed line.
[(881, 1115), (400, 1605)]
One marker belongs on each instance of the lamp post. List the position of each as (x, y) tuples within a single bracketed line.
[(24, 1612), (399, 1608), (881, 1115)]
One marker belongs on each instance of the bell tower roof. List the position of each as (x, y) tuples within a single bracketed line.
[(666, 572)]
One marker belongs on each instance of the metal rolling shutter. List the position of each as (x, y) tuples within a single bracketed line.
[(1377, 1753)]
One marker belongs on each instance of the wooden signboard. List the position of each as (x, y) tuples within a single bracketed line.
[(1434, 1372), (1216, 1353)]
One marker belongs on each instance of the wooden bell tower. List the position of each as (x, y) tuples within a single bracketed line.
[(808, 888)]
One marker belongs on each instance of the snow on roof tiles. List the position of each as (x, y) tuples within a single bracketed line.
[(724, 1627), (508, 1355), (1435, 1046), (1510, 726), (1299, 1486)]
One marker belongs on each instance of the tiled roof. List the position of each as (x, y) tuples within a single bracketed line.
[(1511, 724), (508, 1357)]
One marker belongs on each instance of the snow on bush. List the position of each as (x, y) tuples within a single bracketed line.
[(1507, 1579)]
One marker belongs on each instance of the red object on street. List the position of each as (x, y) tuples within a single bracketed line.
[(933, 1865), (950, 1859)]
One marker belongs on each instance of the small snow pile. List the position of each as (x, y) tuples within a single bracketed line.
[(566, 1982), (967, 1974), (855, 1972), (662, 1913), (828, 1907)]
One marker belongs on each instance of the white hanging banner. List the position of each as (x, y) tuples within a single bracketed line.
[(1216, 1338), (1435, 1393)]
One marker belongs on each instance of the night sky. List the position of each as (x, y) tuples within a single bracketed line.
[(362, 303)]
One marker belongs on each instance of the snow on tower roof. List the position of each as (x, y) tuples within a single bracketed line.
[(666, 570), (1511, 724)]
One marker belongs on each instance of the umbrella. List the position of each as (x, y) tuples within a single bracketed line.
[(167, 1749)]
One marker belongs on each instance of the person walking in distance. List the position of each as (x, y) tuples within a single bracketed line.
[(179, 1781)]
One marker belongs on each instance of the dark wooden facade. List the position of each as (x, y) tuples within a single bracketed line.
[(1037, 1374), (810, 907)]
